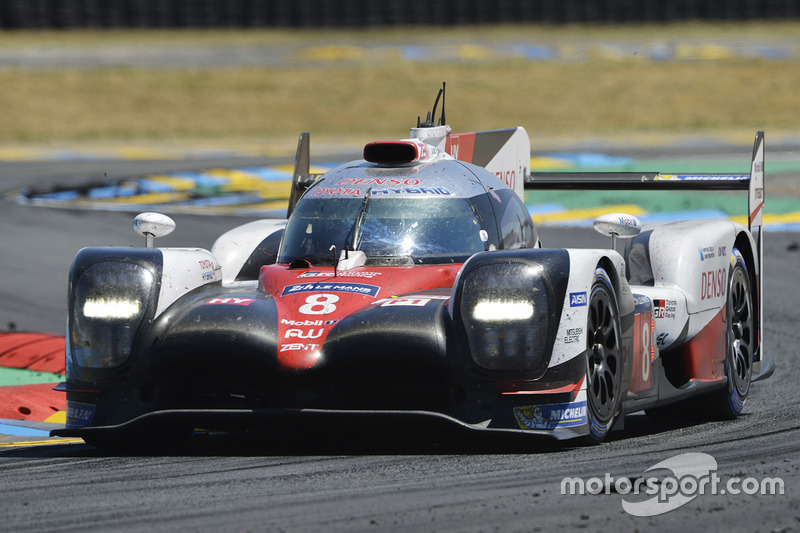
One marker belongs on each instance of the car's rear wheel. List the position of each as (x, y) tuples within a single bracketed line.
[(740, 342), (603, 358)]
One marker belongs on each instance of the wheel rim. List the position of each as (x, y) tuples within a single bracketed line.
[(603, 355), (741, 332)]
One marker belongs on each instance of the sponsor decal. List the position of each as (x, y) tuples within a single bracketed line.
[(665, 309), (712, 284), (706, 252), (413, 190), (661, 340), (722, 251), (287, 322), (301, 334), (338, 191), (628, 221), (573, 335), (79, 414), (380, 181), (552, 416), (412, 302), (408, 300), (340, 273), (577, 299), (294, 347), (759, 193), (207, 269), (350, 288), (509, 177), (230, 301), (706, 177)]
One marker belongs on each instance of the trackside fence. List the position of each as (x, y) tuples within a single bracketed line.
[(27, 14)]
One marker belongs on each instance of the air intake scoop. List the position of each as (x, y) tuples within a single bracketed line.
[(399, 152)]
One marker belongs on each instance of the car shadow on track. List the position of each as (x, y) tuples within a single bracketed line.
[(311, 442)]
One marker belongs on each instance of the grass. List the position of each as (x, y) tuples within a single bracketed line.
[(559, 98)]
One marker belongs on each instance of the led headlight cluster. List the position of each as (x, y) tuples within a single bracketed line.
[(504, 308), (108, 303)]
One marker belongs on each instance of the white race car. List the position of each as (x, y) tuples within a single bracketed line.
[(410, 287)]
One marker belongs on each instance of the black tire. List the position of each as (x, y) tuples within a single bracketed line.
[(740, 342), (603, 358)]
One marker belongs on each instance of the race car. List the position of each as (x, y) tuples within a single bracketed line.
[(410, 287)]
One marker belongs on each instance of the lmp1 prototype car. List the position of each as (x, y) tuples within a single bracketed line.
[(411, 287)]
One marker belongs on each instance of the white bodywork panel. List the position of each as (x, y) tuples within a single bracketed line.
[(571, 334), (233, 247), (512, 162), (185, 269), (695, 257), (683, 268)]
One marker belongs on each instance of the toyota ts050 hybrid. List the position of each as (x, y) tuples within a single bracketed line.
[(410, 287)]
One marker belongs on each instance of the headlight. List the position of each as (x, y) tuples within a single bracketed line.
[(109, 302), (504, 308)]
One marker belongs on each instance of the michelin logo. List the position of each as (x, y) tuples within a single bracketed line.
[(551, 416)]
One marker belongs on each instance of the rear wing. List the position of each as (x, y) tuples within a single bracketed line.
[(753, 183)]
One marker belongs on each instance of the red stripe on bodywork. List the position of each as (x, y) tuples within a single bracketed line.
[(567, 388), (704, 355), (755, 212), (461, 146)]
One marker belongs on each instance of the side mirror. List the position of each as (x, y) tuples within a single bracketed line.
[(616, 225), (152, 226)]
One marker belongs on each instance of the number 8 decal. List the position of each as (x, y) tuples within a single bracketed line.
[(646, 344), (319, 304)]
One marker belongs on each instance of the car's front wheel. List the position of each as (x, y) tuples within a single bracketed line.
[(603, 358)]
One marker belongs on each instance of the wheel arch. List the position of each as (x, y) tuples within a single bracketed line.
[(606, 264)]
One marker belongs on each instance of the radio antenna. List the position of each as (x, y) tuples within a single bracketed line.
[(435, 104), (442, 121)]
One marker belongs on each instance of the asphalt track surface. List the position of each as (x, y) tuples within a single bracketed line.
[(401, 481)]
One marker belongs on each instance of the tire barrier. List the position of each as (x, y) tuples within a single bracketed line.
[(19, 14)]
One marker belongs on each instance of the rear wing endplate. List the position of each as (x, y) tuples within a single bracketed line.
[(302, 177)]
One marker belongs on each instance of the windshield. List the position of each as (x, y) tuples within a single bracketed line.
[(429, 230)]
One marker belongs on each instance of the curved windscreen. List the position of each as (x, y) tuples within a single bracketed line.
[(429, 230)]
